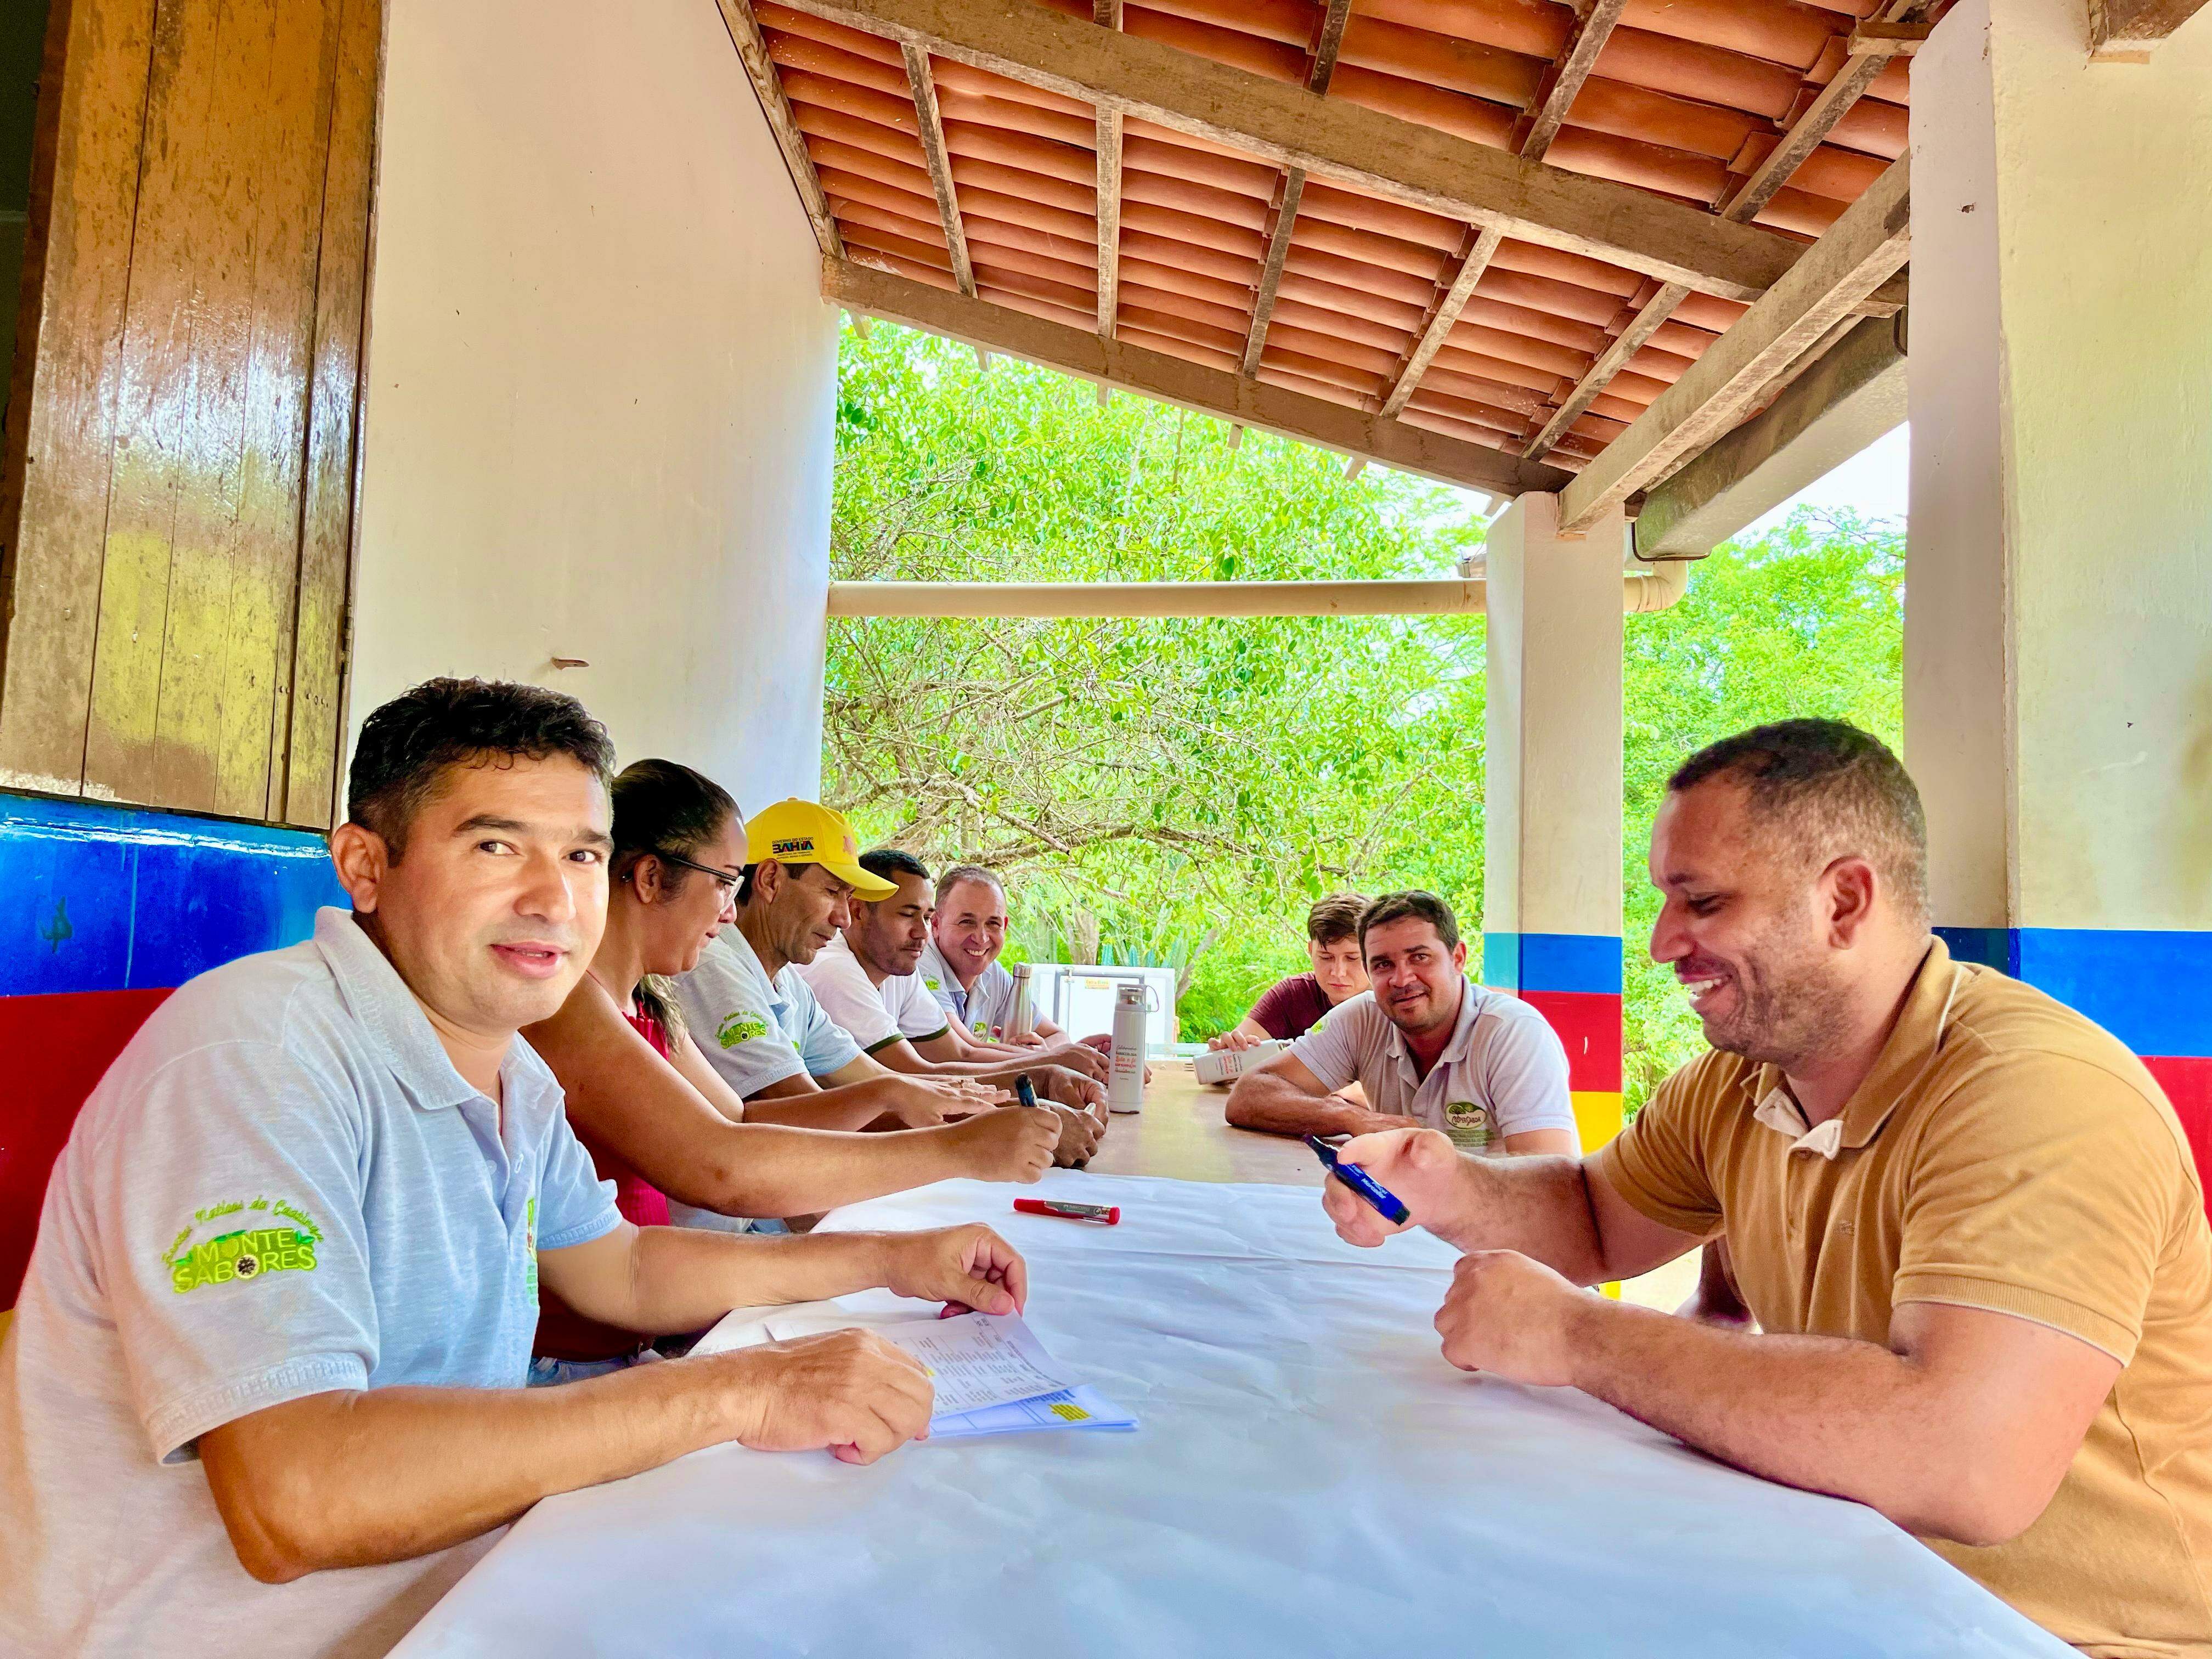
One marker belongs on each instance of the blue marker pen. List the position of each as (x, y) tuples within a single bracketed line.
[(1385, 1203)]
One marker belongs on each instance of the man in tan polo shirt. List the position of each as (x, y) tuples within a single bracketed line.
[(1966, 1218)]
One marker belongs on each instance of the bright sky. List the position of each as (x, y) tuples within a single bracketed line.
[(1873, 483)]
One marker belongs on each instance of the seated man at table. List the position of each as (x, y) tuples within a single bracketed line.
[(279, 1313), (960, 964), (758, 1024), (865, 982), (1426, 1045), (1295, 1005), (1966, 1218)]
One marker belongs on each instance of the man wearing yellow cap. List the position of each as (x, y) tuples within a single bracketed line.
[(751, 1014)]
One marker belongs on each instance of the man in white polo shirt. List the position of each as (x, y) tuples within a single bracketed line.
[(758, 1024), (865, 980), (279, 1314), (960, 964), (1428, 1047)]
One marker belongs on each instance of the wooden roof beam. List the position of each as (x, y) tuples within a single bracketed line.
[(1333, 138), (1219, 393), (1804, 136), (940, 168), (1480, 248), (760, 70), (2126, 31), (1862, 250), (1321, 69), (1106, 144), (1573, 68)]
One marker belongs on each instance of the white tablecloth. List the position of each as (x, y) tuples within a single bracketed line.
[(1310, 1478)]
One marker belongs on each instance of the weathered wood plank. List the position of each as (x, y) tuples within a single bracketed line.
[(760, 70), (1106, 145), (311, 718), (1482, 248), (1625, 345), (179, 436), (1567, 77), (59, 448), (1332, 139), (932, 133), (239, 666), (1219, 393), (1861, 251), (2126, 31)]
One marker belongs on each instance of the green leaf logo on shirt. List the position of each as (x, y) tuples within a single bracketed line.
[(930, 982), (268, 1237), (744, 1026)]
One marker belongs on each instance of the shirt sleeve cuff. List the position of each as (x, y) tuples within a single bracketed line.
[(1699, 1224), (174, 1426), (596, 1226), (881, 1044), (1970, 1289), (929, 1036)]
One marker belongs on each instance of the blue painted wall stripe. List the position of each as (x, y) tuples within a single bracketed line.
[(2152, 988), (105, 898), (1553, 962)]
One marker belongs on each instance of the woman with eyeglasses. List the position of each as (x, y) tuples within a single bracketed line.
[(662, 1124)]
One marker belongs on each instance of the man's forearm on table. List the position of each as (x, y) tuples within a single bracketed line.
[(356, 1479), (1276, 1107), (1829, 1414), (684, 1279), (776, 1169)]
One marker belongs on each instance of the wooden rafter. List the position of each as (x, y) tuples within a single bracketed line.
[(1219, 393), (760, 70), (940, 168), (1475, 255), (2125, 30), (1321, 69), (1333, 138), (1805, 136), (1573, 68), (1862, 250), (1625, 345), (1107, 142), (1481, 244), (1810, 129)]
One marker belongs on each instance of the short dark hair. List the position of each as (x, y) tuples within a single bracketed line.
[(891, 862), (1416, 904), (407, 747), (960, 873), (1833, 790), (1334, 917)]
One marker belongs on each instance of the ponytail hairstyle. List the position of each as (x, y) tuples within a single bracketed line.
[(661, 808)]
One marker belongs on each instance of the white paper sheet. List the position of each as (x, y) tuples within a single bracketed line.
[(1311, 1479), (976, 1360)]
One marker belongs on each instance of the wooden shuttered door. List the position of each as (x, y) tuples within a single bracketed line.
[(177, 481)]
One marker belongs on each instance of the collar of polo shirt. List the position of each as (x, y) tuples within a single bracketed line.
[(376, 996), (1911, 1048)]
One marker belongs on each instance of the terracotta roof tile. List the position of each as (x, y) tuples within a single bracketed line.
[(1687, 98)]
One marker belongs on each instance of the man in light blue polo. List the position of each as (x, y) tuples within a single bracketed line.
[(279, 1314)]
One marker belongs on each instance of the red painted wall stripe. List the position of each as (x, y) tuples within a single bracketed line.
[(1588, 1024), (58, 1047)]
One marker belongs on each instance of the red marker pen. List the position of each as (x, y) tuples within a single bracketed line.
[(1107, 1214)]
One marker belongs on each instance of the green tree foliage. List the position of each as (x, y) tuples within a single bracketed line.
[(1178, 790)]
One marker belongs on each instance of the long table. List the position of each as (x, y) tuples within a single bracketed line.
[(1310, 1477)]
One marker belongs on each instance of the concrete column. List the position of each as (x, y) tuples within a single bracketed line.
[(1551, 920), (2058, 626)]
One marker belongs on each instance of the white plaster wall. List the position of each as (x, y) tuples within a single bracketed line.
[(602, 384), (1551, 787), (2062, 469)]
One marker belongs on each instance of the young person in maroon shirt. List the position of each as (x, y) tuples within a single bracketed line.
[(1296, 1006)]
